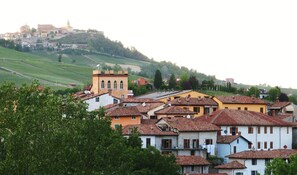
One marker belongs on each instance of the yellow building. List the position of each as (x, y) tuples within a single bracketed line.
[(201, 106), (114, 83), (241, 103), (171, 95)]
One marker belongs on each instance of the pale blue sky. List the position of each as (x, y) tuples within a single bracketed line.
[(251, 41)]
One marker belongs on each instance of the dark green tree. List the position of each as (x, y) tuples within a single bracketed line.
[(283, 97), (280, 166), (194, 82), (60, 57), (273, 93), (158, 79), (172, 82)]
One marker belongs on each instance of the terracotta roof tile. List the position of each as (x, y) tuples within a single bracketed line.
[(183, 101), (231, 165), (191, 160), (184, 124), (149, 121), (124, 111), (139, 100), (227, 138), (147, 129), (279, 105), (174, 110), (148, 106), (277, 153), (240, 100), (230, 117)]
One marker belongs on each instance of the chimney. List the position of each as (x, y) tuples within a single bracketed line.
[(277, 100)]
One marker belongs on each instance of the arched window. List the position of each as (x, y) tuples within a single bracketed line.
[(115, 85), (121, 85), (108, 84), (102, 84)]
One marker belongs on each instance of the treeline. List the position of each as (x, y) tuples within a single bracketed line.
[(45, 133), (97, 42), (12, 45)]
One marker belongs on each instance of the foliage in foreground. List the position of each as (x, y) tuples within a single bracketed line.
[(44, 133), (280, 166)]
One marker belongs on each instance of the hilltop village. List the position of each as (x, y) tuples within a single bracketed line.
[(242, 132)]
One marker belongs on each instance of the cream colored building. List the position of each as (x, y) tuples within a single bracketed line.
[(109, 81)]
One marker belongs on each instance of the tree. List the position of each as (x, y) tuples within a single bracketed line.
[(253, 91), (194, 82), (60, 58), (45, 133), (280, 166), (172, 82), (273, 93), (158, 79), (283, 97)]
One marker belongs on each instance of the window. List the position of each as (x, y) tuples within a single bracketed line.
[(97, 99), (250, 145), (254, 172), (288, 130), (233, 130), (115, 101), (115, 85), (261, 110), (239, 108), (102, 84), (271, 129), (208, 141), (116, 126), (245, 108), (259, 145), (206, 110), (148, 142), (133, 117), (239, 173), (192, 168), (214, 109), (254, 161), (108, 85), (166, 143), (271, 145), (226, 107), (265, 145), (186, 143), (195, 143), (265, 129), (121, 85), (116, 117), (237, 140), (259, 129), (250, 130), (192, 152), (234, 149), (197, 109)]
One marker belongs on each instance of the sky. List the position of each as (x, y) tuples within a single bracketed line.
[(252, 41)]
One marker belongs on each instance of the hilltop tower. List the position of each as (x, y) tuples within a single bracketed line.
[(110, 82)]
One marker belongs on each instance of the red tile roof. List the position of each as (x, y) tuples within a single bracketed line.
[(231, 165), (149, 121), (191, 160), (184, 124), (271, 154), (144, 108), (240, 100), (184, 101), (279, 105), (147, 129), (231, 117), (229, 139), (124, 111), (174, 110), (139, 100)]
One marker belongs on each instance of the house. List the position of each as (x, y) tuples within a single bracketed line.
[(199, 105), (178, 136), (172, 111), (232, 168), (283, 110), (148, 109), (109, 81), (137, 101), (263, 131), (231, 144), (142, 81), (124, 116), (170, 95), (255, 161), (192, 164), (241, 103)]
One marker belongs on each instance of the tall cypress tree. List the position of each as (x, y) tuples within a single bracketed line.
[(158, 79), (172, 82)]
